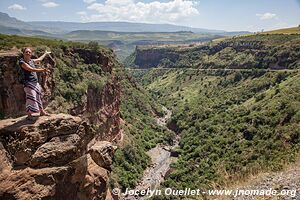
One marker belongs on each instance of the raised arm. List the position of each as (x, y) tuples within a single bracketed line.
[(38, 60), (28, 68)]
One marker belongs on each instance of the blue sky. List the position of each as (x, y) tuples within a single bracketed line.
[(230, 15)]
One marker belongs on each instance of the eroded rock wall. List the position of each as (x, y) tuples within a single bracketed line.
[(103, 109)]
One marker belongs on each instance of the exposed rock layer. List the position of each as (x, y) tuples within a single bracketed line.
[(53, 158)]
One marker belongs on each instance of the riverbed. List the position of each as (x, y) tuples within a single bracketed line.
[(161, 159)]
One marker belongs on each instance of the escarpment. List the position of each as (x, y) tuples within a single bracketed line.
[(245, 52), (103, 109), (147, 58)]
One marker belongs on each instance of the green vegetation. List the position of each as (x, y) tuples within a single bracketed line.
[(72, 77), (71, 74), (232, 123), (138, 110), (7, 42)]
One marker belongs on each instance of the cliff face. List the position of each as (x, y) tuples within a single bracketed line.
[(54, 157), (256, 51), (103, 109), (148, 58)]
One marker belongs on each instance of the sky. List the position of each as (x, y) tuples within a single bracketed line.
[(229, 15)]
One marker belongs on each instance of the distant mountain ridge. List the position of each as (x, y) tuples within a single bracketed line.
[(121, 27), (8, 23), (60, 27)]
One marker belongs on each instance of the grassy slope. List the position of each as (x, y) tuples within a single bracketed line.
[(293, 30)]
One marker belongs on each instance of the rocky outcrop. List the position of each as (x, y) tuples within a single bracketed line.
[(12, 96), (148, 58), (55, 157), (60, 156)]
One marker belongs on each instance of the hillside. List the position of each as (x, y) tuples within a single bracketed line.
[(235, 107), (276, 51), (235, 121), (232, 123)]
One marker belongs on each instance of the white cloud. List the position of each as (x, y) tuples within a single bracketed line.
[(266, 15), (89, 1), (81, 13), (50, 4), (152, 12), (16, 7)]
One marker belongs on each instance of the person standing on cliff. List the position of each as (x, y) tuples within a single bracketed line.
[(32, 87)]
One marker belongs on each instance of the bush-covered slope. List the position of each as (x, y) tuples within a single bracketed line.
[(232, 123), (138, 110)]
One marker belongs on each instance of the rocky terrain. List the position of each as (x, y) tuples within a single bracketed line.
[(53, 157), (61, 156)]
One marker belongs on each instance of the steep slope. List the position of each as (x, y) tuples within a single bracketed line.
[(141, 133), (232, 123)]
